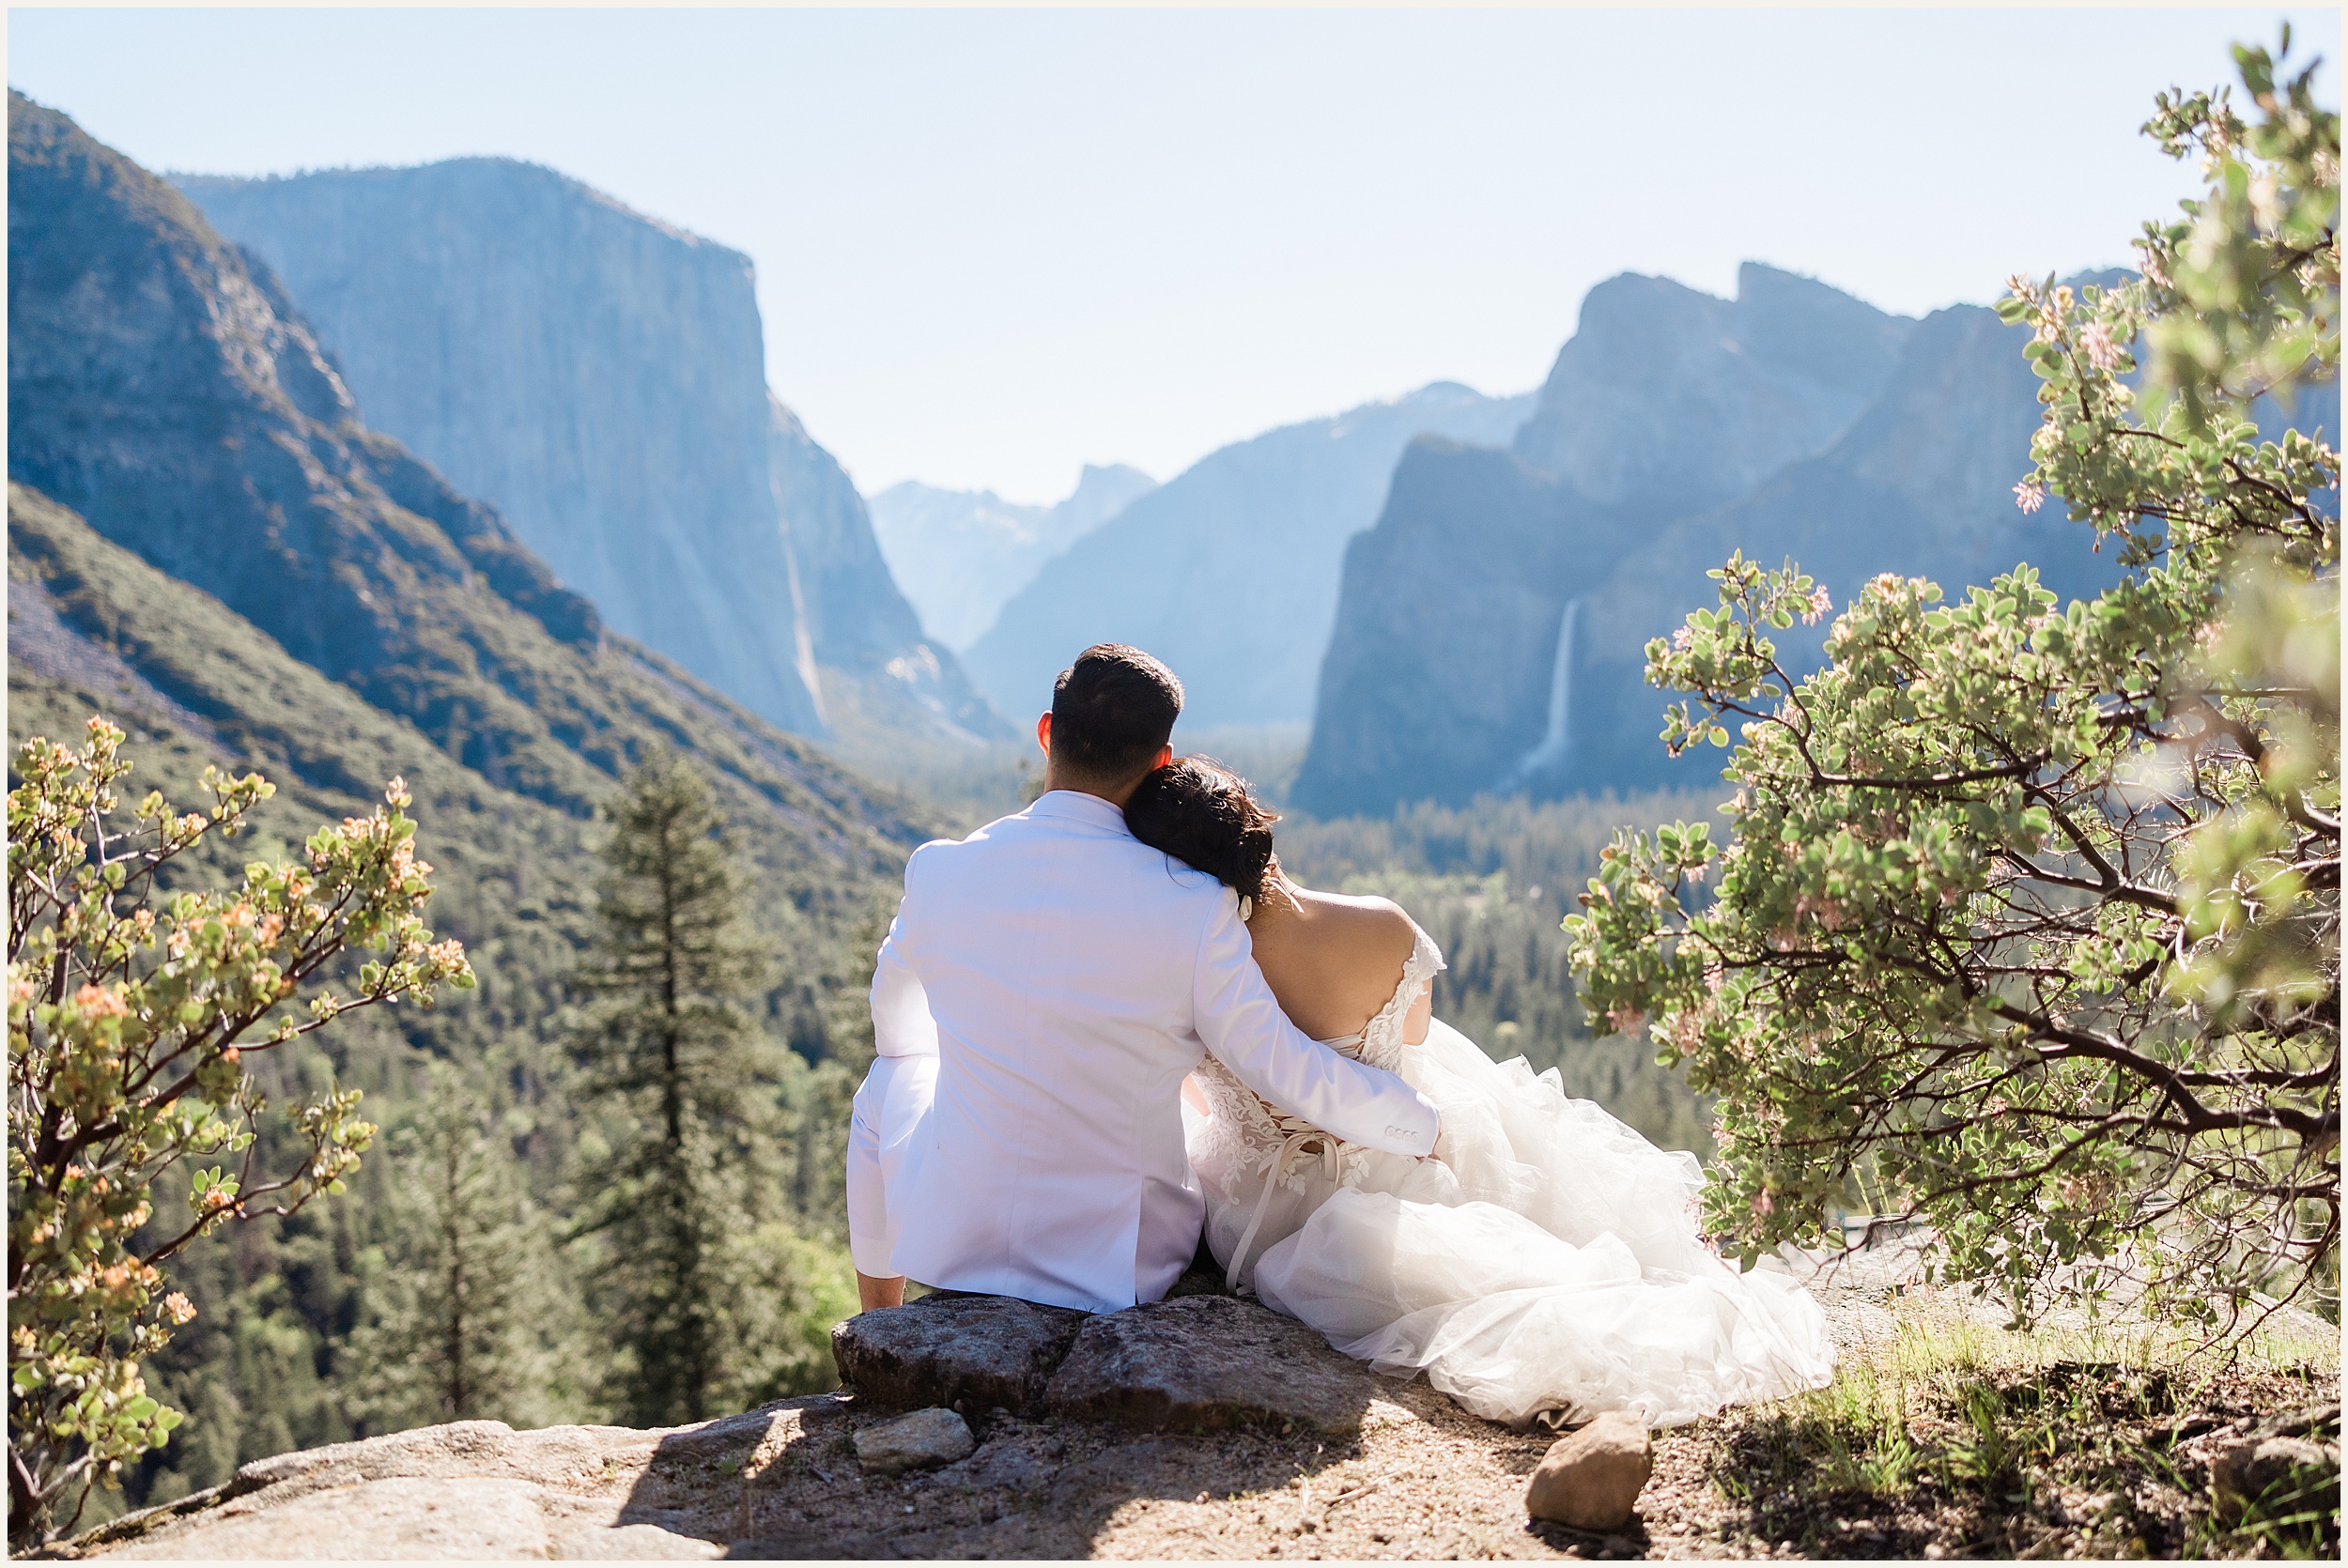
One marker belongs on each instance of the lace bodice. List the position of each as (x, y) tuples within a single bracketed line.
[(1248, 1136)]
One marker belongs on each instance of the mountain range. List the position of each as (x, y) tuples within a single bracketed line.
[(960, 554), (168, 404), (600, 377), (493, 450), (1230, 570), (1492, 625)]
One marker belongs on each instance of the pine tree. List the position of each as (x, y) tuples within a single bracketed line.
[(463, 1320), (675, 1061)]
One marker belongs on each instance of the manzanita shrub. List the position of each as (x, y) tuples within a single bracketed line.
[(133, 1015), (2027, 923)]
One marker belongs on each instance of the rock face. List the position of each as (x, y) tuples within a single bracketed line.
[(161, 386), (600, 378), (1592, 1479), (960, 554), (1494, 623), (1200, 1363), (974, 1351), (1190, 1363), (1669, 397), (874, 664), (470, 1489), (1229, 571)]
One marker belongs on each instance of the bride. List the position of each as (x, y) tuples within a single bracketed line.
[(1547, 1259)]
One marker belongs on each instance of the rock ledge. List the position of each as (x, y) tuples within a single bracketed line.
[(1191, 1363)]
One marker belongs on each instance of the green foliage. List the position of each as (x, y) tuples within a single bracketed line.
[(1943, 1439), (672, 1053), (2242, 295), (129, 1018), (468, 1316), (1488, 882), (281, 1357), (2028, 920)]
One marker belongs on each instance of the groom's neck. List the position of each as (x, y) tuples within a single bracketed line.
[(1116, 794)]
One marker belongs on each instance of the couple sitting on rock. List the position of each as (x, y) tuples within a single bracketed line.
[(1111, 1017)]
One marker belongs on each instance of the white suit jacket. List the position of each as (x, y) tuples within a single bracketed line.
[(1067, 977)]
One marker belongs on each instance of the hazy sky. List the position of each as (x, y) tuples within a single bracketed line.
[(992, 246)]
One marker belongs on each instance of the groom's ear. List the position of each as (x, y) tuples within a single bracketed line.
[(1165, 755), (1043, 732)]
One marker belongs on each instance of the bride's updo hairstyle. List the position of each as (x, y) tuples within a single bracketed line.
[(1199, 811)]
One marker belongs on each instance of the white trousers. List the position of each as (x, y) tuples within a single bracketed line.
[(892, 1101)]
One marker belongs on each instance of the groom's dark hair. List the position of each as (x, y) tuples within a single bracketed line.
[(1112, 711)]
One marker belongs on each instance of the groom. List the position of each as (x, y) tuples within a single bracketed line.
[(1047, 984)]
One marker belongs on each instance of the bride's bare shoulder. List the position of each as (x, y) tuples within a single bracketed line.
[(1372, 926)]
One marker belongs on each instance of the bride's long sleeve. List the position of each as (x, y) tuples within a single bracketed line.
[(1240, 1023)]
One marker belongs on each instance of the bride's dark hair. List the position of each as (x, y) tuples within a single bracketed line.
[(1199, 811)]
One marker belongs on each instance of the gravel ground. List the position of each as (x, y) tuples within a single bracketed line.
[(1425, 1480), (2121, 1470)]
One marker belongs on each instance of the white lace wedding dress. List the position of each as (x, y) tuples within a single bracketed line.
[(1547, 1259)]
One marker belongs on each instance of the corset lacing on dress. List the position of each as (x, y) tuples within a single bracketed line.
[(1287, 1148)]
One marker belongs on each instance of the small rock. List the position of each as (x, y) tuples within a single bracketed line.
[(925, 1438), (1592, 1480), (2309, 1421), (2269, 1470)]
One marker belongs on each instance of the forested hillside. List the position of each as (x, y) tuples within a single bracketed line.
[(1490, 882), (230, 564), (279, 1355)]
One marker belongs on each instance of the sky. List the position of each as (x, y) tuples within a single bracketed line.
[(993, 246)]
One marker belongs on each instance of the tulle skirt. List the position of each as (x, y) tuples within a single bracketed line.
[(1552, 1260)]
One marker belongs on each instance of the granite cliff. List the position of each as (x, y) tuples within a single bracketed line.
[(876, 670), (1666, 397), (960, 554), (1229, 571), (600, 377), (161, 386), (1493, 622)]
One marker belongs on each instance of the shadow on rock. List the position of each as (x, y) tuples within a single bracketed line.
[(1073, 1417)]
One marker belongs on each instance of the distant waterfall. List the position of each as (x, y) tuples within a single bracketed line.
[(1558, 739)]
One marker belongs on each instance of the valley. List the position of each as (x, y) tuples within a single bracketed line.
[(470, 475)]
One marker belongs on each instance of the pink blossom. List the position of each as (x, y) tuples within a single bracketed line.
[(1820, 602), (2103, 352), (2030, 497), (1683, 639), (100, 1002)]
